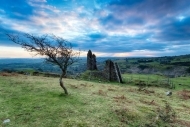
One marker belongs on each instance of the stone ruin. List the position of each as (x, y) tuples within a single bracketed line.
[(91, 61), (111, 71)]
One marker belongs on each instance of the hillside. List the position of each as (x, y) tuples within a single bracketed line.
[(172, 66), (37, 101)]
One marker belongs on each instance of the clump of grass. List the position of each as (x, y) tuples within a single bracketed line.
[(73, 123), (120, 97), (101, 92), (110, 89), (165, 117), (127, 117), (166, 114)]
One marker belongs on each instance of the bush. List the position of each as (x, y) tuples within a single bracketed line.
[(142, 67)]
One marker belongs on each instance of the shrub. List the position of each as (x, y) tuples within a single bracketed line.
[(142, 67)]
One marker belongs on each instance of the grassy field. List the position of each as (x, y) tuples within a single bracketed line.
[(179, 83), (30, 101)]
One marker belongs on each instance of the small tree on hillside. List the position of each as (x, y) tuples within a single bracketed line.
[(57, 50)]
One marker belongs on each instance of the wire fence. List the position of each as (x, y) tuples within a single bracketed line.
[(157, 80)]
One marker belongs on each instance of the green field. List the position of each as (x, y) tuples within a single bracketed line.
[(30, 101), (179, 83)]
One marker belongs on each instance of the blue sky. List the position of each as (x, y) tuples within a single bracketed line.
[(107, 27)]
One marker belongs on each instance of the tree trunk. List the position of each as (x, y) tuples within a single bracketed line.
[(62, 84)]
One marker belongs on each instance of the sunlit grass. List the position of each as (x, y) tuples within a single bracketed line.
[(39, 101)]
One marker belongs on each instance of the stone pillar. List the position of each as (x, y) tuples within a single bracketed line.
[(112, 71), (118, 73), (94, 66), (91, 61)]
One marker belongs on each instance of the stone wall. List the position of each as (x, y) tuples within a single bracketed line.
[(109, 71), (112, 71)]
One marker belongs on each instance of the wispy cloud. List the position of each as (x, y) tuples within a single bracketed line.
[(112, 27)]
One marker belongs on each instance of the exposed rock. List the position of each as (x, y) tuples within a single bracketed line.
[(94, 66), (112, 71), (168, 93), (6, 121), (91, 61)]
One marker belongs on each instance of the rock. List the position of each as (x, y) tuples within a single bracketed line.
[(91, 61), (112, 71), (6, 121), (168, 93), (94, 66)]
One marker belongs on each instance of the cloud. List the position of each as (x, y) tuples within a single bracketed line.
[(175, 30), (121, 43), (4, 41), (97, 36), (114, 27)]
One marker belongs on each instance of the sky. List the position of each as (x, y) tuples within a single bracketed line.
[(123, 28)]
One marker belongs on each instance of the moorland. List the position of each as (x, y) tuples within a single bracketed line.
[(142, 100)]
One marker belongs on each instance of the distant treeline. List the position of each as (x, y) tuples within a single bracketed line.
[(145, 61), (181, 63)]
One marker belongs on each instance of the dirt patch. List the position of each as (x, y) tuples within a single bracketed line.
[(183, 123), (110, 89), (73, 86), (120, 97), (185, 106), (100, 92), (184, 94), (8, 74), (151, 102), (132, 90), (84, 85), (122, 100), (146, 91)]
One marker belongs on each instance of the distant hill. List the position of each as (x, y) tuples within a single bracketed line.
[(20, 60), (173, 65)]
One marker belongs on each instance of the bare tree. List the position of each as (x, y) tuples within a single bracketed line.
[(57, 50)]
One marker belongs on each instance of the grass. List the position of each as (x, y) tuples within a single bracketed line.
[(180, 83), (38, 101)]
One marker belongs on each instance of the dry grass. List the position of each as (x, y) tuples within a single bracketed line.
[(184, 94), (37, 101)]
